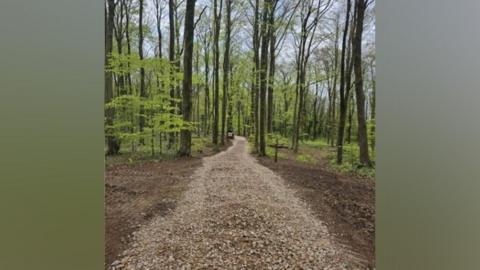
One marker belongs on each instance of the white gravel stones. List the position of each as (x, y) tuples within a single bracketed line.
[(236, 214)]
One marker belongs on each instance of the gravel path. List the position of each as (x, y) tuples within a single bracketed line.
[(237, 214)]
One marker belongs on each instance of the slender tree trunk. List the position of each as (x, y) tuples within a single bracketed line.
[(271, 71), (372, 107), (315, 105), (143, 93), (334, 88), (285, 109), (113, 145), (343, 89), (255, 74), (158, 16), (207, 86), (360, 6), (171, 58), (129, 46), (197, 91), (226, 66), (217, 21), (350, 119), (119, 39), (263, 74), (239, 111), (186, 134)]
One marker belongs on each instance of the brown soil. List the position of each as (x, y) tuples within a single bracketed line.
[(236, 214), (136, 193), (345, 204)]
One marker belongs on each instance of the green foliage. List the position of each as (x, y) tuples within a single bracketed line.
[(350, 163), (273, 137), (159, 111), (270, 151), (306, 158)]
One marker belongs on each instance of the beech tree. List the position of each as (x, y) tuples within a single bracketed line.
[(112, 143), (185, 134), (291, 70), (360, 7)]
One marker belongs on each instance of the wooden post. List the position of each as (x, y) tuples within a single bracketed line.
[(276, 149)]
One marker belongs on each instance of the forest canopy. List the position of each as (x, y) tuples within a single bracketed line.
[(286, 70)]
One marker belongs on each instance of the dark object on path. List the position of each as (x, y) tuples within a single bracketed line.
[(230, 135)]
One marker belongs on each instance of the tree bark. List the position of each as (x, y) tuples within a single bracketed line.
[(271, 70), (226, 66), (129, 46), (171, 58), (360, 6), (207, 86), (217, 20), (143, 93), (263, 74), (186, 134), (343, 90), (113, 145), (255, 75)]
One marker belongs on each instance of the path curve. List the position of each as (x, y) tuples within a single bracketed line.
[(236, 214)]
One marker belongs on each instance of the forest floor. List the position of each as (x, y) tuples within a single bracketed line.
[(137, 191), (345, 203), (227, 211)]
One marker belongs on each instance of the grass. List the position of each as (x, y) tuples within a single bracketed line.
[(270, 151), (350, 163), (144, 152), (306, 158)]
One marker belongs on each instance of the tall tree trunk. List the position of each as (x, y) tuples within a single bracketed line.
[(143, 93), (350, 119), (271, 70), (129, 45), (343, 88), (255, 75), (315, 116), (372, 106), (360, 6), (217, 21), (334, 87), (186, 134), (207, 86), (229, 101), (119, 39), (263, 75), (197, 90), (113, 145), (226, 66), (171, 58), (158, 15)]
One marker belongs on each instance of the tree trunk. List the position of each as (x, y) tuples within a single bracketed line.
[(171, 58), (360, 7), (271, 71), (119, 39), (143, 93), (263, 75), (373, 106), (226, 67), (343, 89), (217, 21), (207, 86), (186, 134), (113, 145), (129, 46), (255, 74)]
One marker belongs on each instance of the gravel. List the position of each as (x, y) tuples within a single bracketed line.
[(236, 214)]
